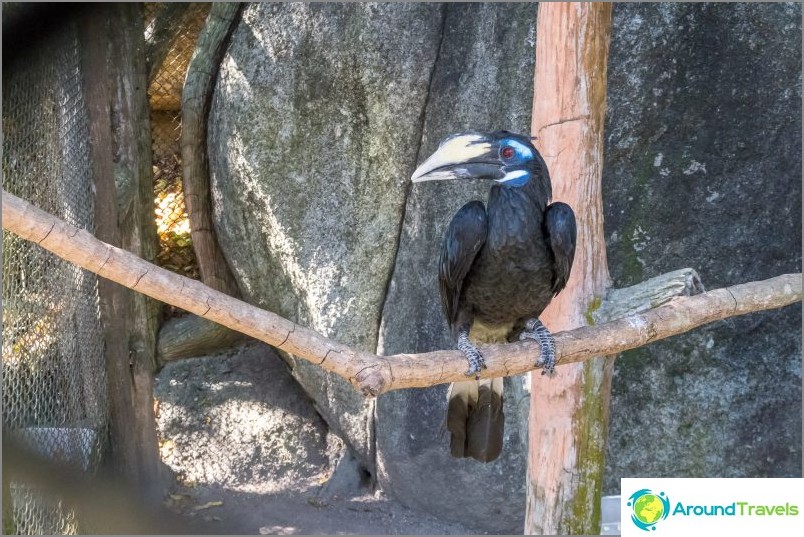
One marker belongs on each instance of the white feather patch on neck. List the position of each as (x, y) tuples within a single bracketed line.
[(513, 176)]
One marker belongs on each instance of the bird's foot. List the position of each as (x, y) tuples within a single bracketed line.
[(473, 355), (534, 329)]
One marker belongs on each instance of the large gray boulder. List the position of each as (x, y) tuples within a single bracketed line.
[(314, 130), (239, 421), (703, 169)]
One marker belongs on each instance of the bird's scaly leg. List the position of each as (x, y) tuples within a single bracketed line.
[(534, 329), (476, 361)]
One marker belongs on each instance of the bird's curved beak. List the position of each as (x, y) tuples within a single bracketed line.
[(462, 156)]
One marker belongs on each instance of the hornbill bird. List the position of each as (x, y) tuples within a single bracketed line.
[(500, 266)]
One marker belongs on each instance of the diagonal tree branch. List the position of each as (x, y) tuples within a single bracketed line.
[(368, 373)]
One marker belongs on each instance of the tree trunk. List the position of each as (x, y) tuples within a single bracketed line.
[(114, 67), (569, 413), (201, 75), (133, 178), (95, 49)]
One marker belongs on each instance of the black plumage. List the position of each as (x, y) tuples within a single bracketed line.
[(500, 266)]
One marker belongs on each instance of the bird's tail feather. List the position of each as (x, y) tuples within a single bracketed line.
[(475, 419)]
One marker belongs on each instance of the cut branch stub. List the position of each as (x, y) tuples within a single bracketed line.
[(646, 295)]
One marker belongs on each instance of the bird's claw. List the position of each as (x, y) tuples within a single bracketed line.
[(547, 368), (534, 329), (476, 364), (476, 361)]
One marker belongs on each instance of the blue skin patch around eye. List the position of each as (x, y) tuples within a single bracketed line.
[(522, 151), (515, 178)]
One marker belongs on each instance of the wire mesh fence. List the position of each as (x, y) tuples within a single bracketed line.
[(164, 93), (54, 380)]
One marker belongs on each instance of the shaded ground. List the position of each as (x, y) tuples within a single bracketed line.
[(298, 512), (250, 455)]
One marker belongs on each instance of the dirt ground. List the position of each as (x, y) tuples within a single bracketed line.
[(248, 454), (301, 512)]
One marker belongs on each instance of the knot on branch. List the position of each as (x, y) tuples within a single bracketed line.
[(369, 381)]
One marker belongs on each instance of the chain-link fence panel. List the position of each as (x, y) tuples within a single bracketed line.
[(164, 93), (54, 380)]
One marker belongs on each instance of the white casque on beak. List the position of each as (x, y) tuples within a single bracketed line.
[(445, 162)]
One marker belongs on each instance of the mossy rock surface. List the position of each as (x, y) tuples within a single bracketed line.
[(703, 169)]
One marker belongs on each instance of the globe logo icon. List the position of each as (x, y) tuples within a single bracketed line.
[(648, 508)]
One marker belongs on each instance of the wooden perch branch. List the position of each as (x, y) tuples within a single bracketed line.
[(368, 373)]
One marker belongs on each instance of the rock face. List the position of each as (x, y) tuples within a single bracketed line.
[(483, 80), (320, 115), (703, 169), (241, 422), (314, 130)]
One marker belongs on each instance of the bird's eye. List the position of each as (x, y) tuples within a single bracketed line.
[(507, 152)]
